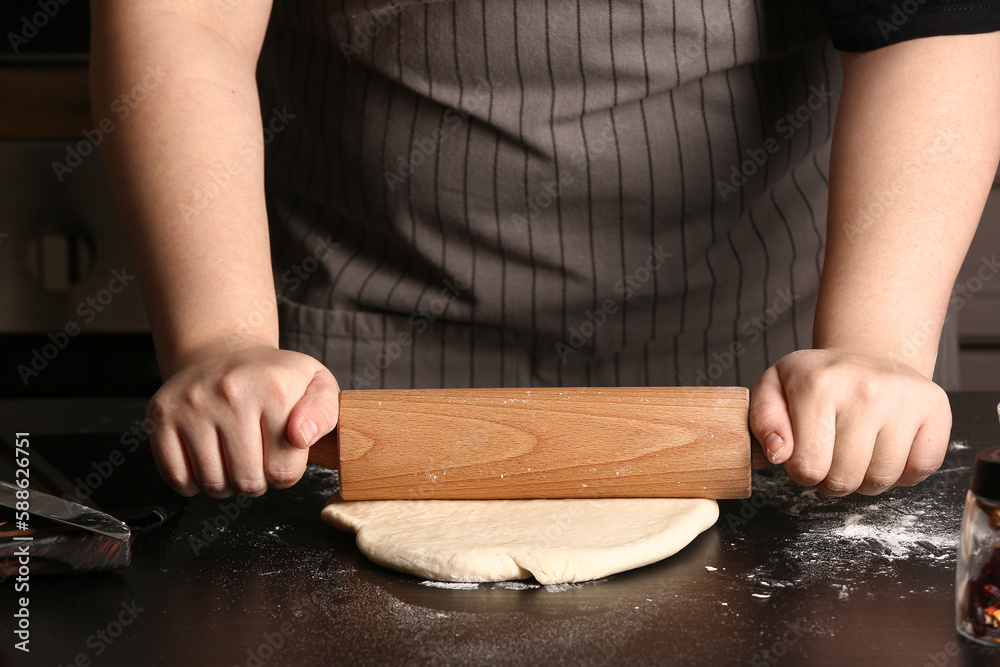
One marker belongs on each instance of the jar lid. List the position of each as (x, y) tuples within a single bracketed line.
[(986, 478)]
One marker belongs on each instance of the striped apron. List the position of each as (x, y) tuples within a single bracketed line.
[(557, 192)]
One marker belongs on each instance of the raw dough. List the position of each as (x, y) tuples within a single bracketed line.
[(556, 541)]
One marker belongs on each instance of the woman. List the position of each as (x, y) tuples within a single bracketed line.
[(509, 193)]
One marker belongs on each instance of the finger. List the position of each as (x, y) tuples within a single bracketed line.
[(172, 462), (243, 454), (892, 445), (283, 463), (927, 451), (852, 453), (769, 418), (814, 428), (207, 463), (316, 413)]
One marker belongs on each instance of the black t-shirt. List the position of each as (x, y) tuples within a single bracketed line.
[(862, 25)]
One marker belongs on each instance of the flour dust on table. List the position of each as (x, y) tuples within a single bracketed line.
[(850, 538)]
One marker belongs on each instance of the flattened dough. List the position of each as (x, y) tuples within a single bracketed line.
[(556, 541)]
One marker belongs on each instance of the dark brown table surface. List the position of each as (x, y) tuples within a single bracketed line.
[(855, 581)]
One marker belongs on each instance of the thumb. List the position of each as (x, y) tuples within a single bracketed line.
[(316, 413), (769, 418)]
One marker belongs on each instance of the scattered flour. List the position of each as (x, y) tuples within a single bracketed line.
[(559, 588), (515, 585), (322, 481), (851, 538), (456, 585), (509, 585), (711, 569), (957, 445), (898, 538)]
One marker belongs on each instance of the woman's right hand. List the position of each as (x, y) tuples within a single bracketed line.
[(240, 417), (186, 166)]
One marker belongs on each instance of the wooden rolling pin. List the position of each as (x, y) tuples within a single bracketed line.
[(580, 442)]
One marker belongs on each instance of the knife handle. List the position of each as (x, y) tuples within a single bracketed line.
[(585, 442)]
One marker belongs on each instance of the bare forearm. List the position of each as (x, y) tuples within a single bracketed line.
[(915, 150), (186, 165)]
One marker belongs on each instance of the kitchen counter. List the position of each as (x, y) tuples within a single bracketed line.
[(787, 577)]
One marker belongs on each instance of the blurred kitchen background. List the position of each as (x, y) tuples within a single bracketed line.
[(60, 245)]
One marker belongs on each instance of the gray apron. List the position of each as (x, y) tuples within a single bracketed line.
[(512, 193)]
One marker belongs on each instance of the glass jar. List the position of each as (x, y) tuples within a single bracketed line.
[(977, 571)]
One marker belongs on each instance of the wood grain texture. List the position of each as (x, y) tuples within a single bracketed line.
[(581, 442)]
